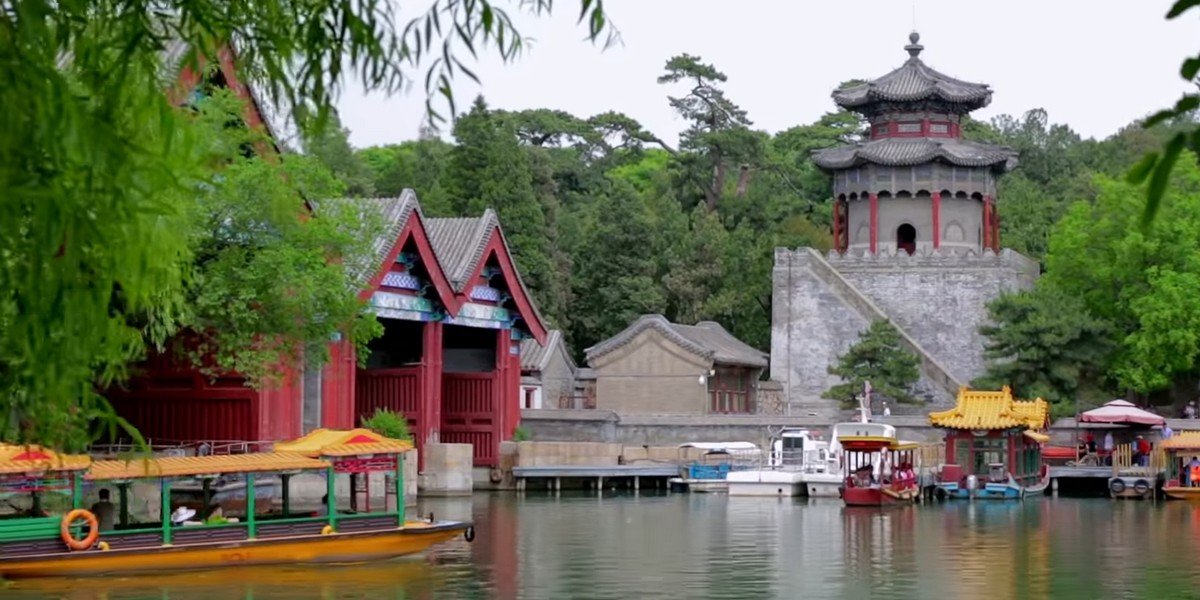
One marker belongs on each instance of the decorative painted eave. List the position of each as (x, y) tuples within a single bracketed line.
[(903, 152), (914, 82), (403, 221)]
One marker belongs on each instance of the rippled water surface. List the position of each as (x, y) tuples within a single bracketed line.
[(711, 546)]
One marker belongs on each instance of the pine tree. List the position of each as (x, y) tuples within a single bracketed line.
[(879, 358), (1043, 343), (616, 275), (489, 169)]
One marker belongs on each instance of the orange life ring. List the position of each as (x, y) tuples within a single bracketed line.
[(93, 529)]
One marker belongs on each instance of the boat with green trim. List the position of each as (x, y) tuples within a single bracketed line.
[(64, 539)]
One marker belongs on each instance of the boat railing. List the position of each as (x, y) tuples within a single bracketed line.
[(1123, 462)]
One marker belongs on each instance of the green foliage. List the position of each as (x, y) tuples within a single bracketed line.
[(1157, 166), (1143, 283), (267, 283), (488, 169), (879, 358), (1044, 344), (331, 146), (521, 434), (101, 170), (388, 424)]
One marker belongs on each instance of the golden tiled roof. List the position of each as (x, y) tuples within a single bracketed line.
[(1183, 440), (978, 409), (342, 442), (33, 459), (180, 466)]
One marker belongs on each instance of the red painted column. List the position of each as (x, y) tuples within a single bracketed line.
[(987, 223), (429, 421), (937, 220), (837, 224), (874, 222), (995, 224)]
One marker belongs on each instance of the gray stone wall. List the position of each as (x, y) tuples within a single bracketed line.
[(651, 374), (810, 325), (940, 299)]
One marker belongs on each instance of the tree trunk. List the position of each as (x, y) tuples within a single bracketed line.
[(718, 184), (743, 181)]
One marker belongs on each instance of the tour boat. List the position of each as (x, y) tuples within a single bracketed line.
[(993, 446), (799, 464), (878, 468), (1182, 478), (41, 544)]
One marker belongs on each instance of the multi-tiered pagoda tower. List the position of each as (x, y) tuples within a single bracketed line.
[(915, 184), (916, 239)]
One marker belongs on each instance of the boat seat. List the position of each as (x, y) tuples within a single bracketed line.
[(35, 528)]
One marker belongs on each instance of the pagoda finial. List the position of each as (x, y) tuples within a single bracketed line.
[(913, 47)]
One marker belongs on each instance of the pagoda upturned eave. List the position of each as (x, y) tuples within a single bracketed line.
[(907, 152)]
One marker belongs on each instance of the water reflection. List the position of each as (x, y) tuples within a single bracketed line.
[(711, 546)]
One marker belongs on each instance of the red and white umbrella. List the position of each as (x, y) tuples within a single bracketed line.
[(1121, 412)]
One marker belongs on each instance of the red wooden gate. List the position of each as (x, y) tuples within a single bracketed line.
[(190, 417), (397, 390), (470, 414)]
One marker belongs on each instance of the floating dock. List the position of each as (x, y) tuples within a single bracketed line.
[(595, 477)]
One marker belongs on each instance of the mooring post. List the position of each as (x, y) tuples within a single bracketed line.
[(600, 485), (1054, 487), (637, 483)]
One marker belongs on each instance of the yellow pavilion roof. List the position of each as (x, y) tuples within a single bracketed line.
[(343, 442), (979, 409), (182, 466), (1183, 440), (33, 458)]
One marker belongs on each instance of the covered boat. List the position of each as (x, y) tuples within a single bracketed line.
[(993, 446), (1183, 465), (717, 460), (878, 468), (46, 542)]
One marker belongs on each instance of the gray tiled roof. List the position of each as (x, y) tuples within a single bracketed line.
[(707, 339), (898, 152), (394, 212), (459, 243), (912, 82), (536, 357)]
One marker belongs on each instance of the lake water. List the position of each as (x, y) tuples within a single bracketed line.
[(712, 546)]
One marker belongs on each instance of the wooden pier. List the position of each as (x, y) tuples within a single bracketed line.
[(594, 477)]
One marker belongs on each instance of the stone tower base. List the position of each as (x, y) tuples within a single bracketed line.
[(936, 299)]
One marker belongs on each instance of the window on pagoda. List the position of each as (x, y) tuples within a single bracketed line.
[(730, 391), (909, 128)]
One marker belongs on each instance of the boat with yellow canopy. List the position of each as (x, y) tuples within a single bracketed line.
[(38, 543), (1183, 465)]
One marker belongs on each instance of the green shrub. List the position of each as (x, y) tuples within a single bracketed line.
[(520, 434), (388, 423)]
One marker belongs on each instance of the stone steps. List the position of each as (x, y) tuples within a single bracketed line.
[(944, 385)]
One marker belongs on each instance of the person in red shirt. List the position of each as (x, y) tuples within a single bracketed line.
[(1143, 451)]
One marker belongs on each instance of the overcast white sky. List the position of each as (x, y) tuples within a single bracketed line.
[(1094, 64)]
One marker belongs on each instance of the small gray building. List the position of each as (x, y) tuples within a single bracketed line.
[(547, 373), (658, 367)]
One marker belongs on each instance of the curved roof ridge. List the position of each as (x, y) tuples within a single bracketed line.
[(901, 152), (914, 81), (656, 322)]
